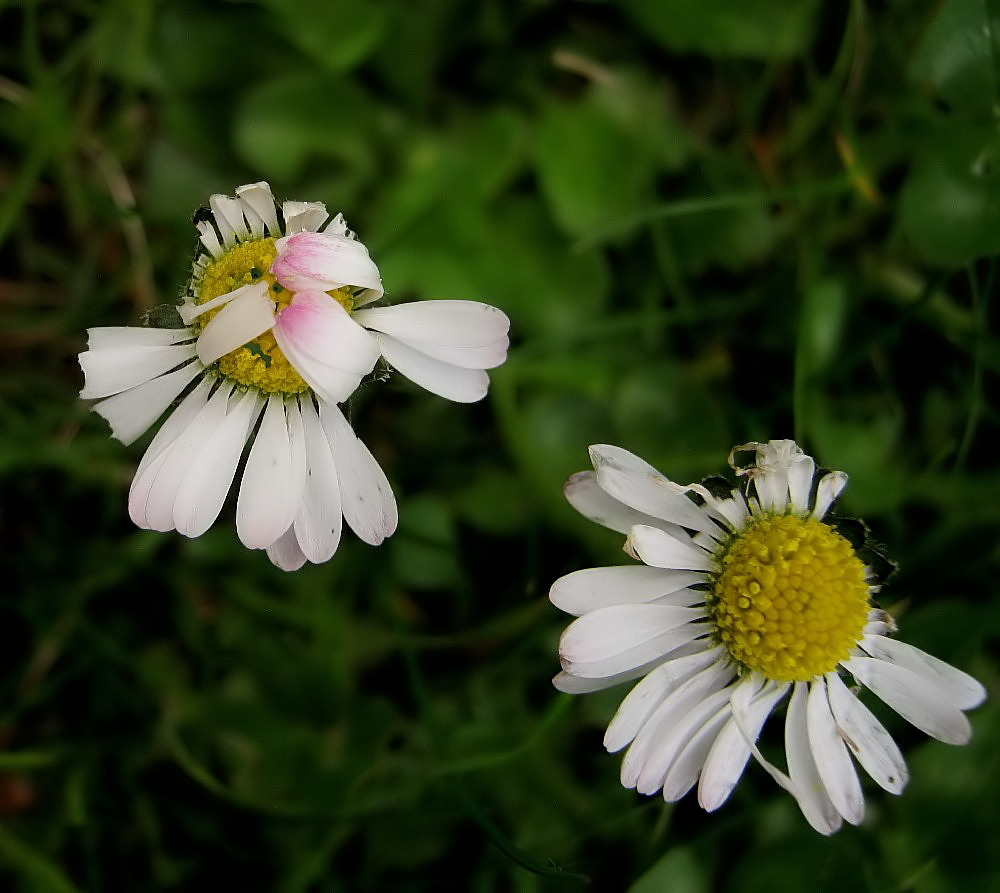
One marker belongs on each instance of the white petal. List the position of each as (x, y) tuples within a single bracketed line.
[(832, 759), (575, 685), (456, 324), (190, 310), (210, 239), (103, 337), (867, 738), (615, 639), (659, 549), (804, 778), (731, 750), (176, 422), (131, 412), (285, 552), (668, 715), (441, 378), (245, 317), (634, 482), (488, 356), (800, 478), (647, 695), (583, 493), (598, 587), (963, 691), (336, 226), (273, 480), (829, 488), (913, 697), (228, 214), (368, 503), (687, 765), (155, 485), (257, 197), (676, 734), (303, 216), (111, 370), (204, 487), (320, 520), (322, 262), (326, 347)]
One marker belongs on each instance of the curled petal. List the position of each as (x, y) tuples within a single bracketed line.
[(310, 261)]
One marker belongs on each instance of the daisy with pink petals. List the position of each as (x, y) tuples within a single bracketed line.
[(276, 330)]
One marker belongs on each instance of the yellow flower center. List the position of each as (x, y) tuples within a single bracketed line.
[(260, 363), (790, 599)]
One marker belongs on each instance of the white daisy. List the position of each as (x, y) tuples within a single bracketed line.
[(744, 598), (275, 328)]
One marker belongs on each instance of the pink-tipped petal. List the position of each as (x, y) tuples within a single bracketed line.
[(310, 261), (325, 346)]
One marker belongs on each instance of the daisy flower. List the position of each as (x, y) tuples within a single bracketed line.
[(275, 329), (745, 598)]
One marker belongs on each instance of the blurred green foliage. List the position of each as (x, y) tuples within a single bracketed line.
[(708, 222)]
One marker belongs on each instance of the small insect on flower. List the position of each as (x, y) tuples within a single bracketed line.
[(745, 597), (277, 326)]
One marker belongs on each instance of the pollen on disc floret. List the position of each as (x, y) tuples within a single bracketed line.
[(790, 599), (259, 364)]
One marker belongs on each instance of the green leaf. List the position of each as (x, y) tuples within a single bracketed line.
[(957, 57), (336, 33), (950, 204), (678, 871), (751, 28), (286, 122), (597, 158)]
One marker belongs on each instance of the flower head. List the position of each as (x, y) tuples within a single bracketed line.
[(745, 597), (275, 330)]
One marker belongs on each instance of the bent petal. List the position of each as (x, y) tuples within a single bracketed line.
[(325, 346), (243, 318), (310, 261)]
